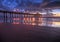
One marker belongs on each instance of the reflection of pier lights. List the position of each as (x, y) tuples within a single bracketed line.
[(28, 19), (37, 16), (48, 14)]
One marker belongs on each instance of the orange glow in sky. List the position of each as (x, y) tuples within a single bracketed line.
[(58, 15)]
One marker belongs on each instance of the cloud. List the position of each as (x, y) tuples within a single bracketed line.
[(10, 4), (55, 4)]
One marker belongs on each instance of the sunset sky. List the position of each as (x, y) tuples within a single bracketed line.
[(12, 4)]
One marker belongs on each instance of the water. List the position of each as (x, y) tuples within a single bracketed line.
[(32, 21), (29, 20), (28, 33), (27, 28)]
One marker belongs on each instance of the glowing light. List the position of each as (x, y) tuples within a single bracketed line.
[(33, 19), (58, 14), (16, 18), (56, 24), (16, 23), (33, 23), (40, 20)]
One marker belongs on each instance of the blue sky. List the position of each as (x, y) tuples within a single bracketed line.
[(37, 1), (15, 3), (56, 11)]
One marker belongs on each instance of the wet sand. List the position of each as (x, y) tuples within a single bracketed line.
[(28, 33)]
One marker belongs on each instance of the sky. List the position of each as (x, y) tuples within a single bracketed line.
[(12, 4), (36, 1), (15, 3), (56, 11)]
